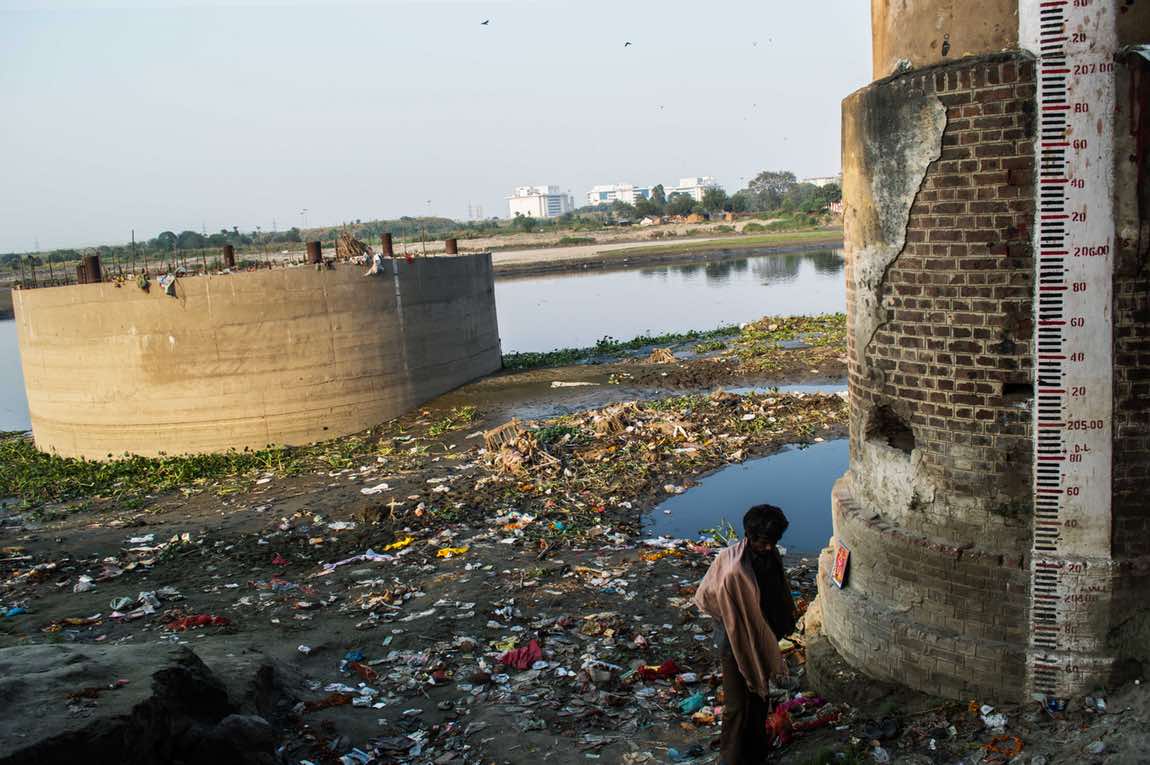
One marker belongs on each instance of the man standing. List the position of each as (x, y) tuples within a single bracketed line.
[(747, 594)]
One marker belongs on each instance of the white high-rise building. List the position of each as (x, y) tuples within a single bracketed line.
[(694, 187), (825, 180), (623, 192), (539, 202)]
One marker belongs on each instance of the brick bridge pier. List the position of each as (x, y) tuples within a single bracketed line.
[(997, 188)]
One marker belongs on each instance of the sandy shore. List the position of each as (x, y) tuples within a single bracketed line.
[(629, 254)]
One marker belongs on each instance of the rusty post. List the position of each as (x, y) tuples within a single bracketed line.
[(314, 253), (388, 247), (451, 246), (81, 274), (229, 256), (92, 274)]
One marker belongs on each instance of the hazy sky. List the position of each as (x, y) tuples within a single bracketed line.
[(170, 114)]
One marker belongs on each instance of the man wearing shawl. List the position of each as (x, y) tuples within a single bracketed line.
[(747, 594)]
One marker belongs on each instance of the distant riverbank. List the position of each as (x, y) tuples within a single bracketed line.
[(632, 254)]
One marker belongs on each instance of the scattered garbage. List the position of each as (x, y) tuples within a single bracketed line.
[(554, 616), (451, 552), (196, 621)]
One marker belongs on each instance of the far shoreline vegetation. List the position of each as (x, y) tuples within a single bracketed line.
[(774, 201)]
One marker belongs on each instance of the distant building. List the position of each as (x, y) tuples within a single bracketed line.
[(539, 202), (826, 180), (623, 192), (694, 187)]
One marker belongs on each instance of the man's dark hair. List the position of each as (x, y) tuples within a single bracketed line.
[(765, 522)]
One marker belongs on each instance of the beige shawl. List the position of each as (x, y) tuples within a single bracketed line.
[(730, 594)]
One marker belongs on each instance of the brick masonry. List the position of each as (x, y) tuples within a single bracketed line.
[(953, 357), (936, 507), (1131, 465), (938, 590)]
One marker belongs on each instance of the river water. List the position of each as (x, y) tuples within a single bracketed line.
[(574, 310), (13, 403), (797, 479)]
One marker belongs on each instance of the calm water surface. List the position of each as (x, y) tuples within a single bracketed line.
[(575, 310), (797, 479), (13, 403)]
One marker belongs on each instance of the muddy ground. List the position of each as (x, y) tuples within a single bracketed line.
[(454, 597)]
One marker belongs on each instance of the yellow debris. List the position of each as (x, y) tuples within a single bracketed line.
[(451, 552), (399, 544)]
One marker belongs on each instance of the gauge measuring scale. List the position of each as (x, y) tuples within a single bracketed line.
[(1072, 571)]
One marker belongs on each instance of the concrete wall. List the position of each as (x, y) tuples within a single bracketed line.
[(286, 356), (914, 34), (927, 32)]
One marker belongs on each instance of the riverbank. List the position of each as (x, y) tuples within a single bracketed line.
[(467, 584), (523, 263)]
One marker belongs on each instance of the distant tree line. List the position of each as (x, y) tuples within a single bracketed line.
[(769, 191), (156, 249)]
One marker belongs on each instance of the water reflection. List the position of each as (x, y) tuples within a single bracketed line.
[(799, 480), (13, 404), (576, 310)]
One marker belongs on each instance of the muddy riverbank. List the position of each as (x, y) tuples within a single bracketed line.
[(468, 584)]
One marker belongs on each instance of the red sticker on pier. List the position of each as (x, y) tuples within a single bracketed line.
[(842, 562)]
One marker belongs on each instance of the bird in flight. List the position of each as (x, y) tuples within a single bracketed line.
[(485, 22), (627, 45)]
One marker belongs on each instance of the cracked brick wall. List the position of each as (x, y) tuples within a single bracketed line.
[(952, 356), (936, 506)]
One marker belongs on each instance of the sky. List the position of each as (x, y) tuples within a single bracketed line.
[(206, 114)]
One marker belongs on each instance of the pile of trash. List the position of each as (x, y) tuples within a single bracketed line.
[(593, 469)]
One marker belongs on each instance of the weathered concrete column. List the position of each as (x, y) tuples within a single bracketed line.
[(388, 247), (995, 222), (92, 270), (314, 253)]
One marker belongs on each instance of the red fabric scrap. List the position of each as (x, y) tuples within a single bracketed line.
[(199, 620), (779, 728), (667, 669), (524, 657), (364, 671), (279, 560)]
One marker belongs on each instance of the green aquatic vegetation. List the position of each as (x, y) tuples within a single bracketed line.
[(609, 346), (553, 433), (711, 345), (760, 343), (38, 477), (455, 419)]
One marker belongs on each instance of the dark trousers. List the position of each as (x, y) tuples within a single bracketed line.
[(744, 739)]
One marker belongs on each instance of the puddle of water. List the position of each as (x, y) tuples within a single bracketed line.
[(575, 310), (797, 479), (13, 403)]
